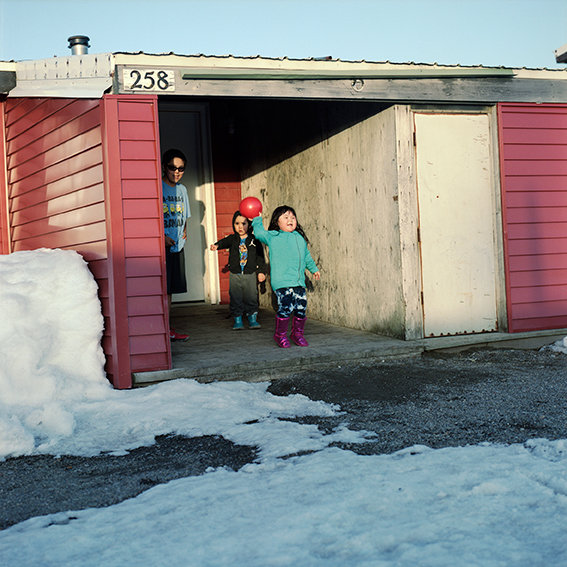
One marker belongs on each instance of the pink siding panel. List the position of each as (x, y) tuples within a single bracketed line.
[(142, 228), (56, 185), (146, 362), (533, 157), (537, 294), (536, 278), (141, 209), (91, 177), (144, 286), (144, 306), (136, 111), (84, 175), (138, 149), (85, 126), (140, 169), (38, 174), (532, 247), (136, 267), (142, 231), (144, 344), (538, 183), (526, 199), (138, 188), (142, 247), (136, 131), (148, 325), (541, 152)]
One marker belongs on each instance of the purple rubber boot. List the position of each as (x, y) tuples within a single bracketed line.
[(296, 336), (280, 336)]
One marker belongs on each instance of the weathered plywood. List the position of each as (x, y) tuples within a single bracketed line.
[(344, 188), (443, 89), (456, 208)]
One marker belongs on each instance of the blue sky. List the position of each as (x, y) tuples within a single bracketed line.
[(512, 33)]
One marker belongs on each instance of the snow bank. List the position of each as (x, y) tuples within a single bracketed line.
[(50, 353), (57, 400)]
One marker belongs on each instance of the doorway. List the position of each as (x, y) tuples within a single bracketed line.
[(186, 127), (455, 185)]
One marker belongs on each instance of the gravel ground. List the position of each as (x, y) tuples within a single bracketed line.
[(445, 400), (439, 400)]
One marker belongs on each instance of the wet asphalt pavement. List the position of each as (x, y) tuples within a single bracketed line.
[(438, 400)]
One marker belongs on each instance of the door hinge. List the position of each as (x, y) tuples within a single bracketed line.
[(422, 302), (414, 139), (418, 234)]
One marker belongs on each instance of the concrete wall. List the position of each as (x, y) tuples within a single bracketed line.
[(341, 176)]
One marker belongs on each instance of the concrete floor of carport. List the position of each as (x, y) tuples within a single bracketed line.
[(215, 352)]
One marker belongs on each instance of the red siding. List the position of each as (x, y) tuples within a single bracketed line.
[(84, 175), (533, 166), (136, 233)]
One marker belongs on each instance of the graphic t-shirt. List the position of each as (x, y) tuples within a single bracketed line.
[(176, 211), (243, 250)]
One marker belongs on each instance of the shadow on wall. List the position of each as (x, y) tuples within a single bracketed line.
[(271, 131)]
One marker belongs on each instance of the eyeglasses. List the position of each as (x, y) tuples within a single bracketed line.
[(173, 168)]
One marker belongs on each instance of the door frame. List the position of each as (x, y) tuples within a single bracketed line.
[(497, 226), (204, 191)]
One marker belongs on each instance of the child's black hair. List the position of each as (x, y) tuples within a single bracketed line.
[(239, 214), (281, 210)]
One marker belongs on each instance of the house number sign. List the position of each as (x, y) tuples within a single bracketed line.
[(148, 80)]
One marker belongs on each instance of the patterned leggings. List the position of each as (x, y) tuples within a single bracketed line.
[(291, 300)]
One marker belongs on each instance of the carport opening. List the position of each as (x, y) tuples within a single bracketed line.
[(319, 157)]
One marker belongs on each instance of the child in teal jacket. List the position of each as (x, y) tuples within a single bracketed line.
[(289, 258)]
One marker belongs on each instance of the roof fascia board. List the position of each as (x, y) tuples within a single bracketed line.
[(285, 74), (468, 90), (75, 76), (7, 81), (62, 88), (561, 54)]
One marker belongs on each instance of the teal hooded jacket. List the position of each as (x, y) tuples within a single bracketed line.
[(288, 253)]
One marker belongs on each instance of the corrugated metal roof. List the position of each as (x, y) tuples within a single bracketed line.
[(327, 62), (91, 75)]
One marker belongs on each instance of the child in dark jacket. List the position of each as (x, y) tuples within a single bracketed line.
[(246, 264)]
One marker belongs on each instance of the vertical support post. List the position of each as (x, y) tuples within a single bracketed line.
[(118, 300), (5, 237)]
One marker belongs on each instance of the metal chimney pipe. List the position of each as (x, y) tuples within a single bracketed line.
[(79, 44)]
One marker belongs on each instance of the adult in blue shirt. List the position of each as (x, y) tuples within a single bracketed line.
[(176, 212)]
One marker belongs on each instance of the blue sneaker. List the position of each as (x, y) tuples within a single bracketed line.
[(252, 321), (238, 324)]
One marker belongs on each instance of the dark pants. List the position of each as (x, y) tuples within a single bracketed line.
[(175, 269), (243, 294)]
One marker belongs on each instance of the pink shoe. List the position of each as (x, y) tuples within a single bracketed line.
[(280, 335), (296, 336), (175, 336)]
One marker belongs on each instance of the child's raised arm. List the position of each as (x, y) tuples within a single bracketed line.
[(259, 231)]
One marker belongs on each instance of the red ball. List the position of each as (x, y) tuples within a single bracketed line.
[(250, 207)]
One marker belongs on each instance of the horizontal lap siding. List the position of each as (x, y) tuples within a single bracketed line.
[(54, 162), (533, 157), (55, 179), (143, 234)]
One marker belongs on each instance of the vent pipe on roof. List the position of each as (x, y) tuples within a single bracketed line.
[(79, 44)]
